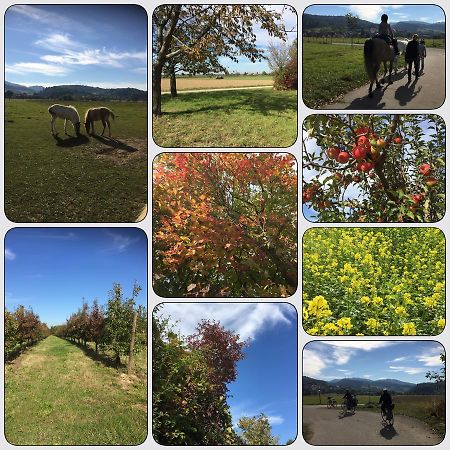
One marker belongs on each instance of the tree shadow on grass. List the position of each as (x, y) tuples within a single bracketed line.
[(114, 143), (107, 361), (71, 141), (257, 101)]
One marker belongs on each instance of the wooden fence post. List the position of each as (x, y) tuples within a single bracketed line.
[(133, 335)]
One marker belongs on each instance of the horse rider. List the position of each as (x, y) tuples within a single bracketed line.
[(385, 33), (412, 56), (423, 54)]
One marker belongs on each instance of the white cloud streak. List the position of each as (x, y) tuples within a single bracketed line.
[(246, 319), (9, 254)]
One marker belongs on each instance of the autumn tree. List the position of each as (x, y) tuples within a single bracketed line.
[(282, 60), (256, 430), (96, 323), (374, 168), (11, 333), (223, 30), (119, 314), (189, 407), (221, 349), (225, 224)]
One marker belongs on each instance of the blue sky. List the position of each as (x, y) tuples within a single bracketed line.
[(100, 45), (372, 13), (52, 269), (401, 360), (267, 376)]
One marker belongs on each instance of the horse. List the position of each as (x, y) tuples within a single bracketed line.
[(94, 114), (401, 45), (377, 51), (66, 113)]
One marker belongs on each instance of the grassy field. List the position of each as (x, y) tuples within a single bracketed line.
[(56, 395), (69, 179), (239, 118), (422, 407), (188, 83), (330, 71), (430, 43)]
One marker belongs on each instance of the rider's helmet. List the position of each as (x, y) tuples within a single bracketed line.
[(384, 18), (384, 390)]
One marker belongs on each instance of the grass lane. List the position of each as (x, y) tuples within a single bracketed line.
[(56, 395)]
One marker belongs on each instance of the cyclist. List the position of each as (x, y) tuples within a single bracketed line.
[(348, 397), (385, 401)]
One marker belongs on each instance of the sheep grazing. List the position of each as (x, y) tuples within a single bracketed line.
[(95, 114), (66, 113)]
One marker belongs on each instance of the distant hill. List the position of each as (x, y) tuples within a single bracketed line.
[(18, 88), (338, 25), (361, 385), (78, 92)]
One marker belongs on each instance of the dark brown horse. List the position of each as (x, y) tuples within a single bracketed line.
[(377, 51)]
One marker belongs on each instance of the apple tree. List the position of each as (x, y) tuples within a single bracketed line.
[(374, 168)]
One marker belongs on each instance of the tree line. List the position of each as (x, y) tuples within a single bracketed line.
[(190, 377), (22, 329), (109, 327)]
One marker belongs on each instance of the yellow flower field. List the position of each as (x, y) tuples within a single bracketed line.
[(373, 281)]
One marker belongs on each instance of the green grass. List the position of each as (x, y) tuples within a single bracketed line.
[(56, 395), (422, 407), (74, 180), (434, 43), (330, 71), (251, 76), (238, 118)]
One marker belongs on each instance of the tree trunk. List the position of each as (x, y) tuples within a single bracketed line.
[(133, 336), (156, 89), (117, 362), (173, 82)]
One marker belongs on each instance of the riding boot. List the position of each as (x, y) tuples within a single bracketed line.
[(395, 44)]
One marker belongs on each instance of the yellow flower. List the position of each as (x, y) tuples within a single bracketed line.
[(409, 329), (318, 307), (365, 300), (372, 323), (441, 323), (305, 313), (377, 301), (400, 311), (330, 328), (429, 302), (345, 323)]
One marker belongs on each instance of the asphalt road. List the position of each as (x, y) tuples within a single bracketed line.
[(427, 92), (331, 427)]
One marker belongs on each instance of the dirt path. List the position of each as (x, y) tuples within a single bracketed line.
[(427, 92), (329, 427), (223, 89)]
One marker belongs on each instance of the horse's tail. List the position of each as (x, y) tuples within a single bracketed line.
[(112, 114), (369, 59)]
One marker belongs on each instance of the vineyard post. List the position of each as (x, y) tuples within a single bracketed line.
[(133, 334)]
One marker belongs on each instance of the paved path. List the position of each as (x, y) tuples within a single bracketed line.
[(221, 89), (331, 427), (427, 92)]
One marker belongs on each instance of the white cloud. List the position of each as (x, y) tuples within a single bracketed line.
[(46, 69), (313, 364), (430, 361), (275, 420), (408, 370), (246, 319), (9, 254), (361, 345), (120, 242), (367, 12), (400, 359)]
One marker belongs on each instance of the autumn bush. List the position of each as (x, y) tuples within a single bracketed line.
[(374, 281), (374, 168), (22, 329), (224, 225)]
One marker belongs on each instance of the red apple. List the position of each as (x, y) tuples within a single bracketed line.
[(359, 152), (425, 169), (333, 152), (431, 181), (343, 157), (397, 140)]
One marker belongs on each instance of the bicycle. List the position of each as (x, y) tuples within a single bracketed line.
[(347, 406), (331, 403), (387, 416)]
